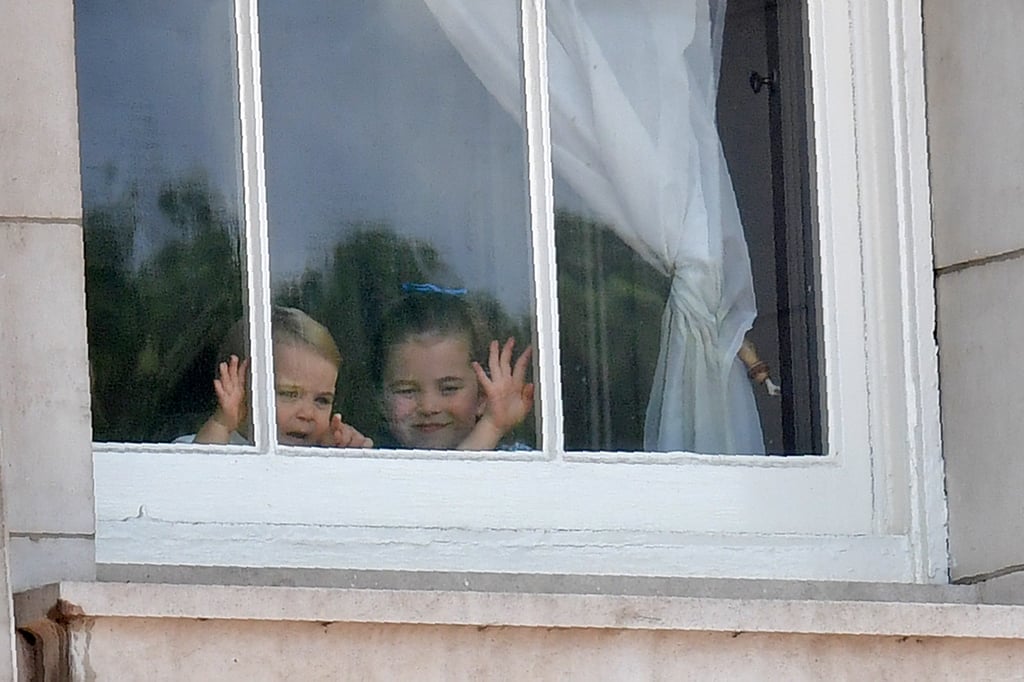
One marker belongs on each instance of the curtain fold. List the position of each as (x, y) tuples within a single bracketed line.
[(632, 89)]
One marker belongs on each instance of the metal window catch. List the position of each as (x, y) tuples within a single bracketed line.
[(757, 81)]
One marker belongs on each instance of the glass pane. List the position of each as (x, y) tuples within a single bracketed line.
[(161, 185), (683, 224), (389, 162)]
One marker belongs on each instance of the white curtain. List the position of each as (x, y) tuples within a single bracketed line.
[(632, 95)]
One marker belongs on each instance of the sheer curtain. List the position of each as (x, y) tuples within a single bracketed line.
[(632, 94)]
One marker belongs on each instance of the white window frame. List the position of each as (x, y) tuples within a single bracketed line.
[(871, 509)]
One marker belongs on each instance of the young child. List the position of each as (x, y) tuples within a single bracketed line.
[(435, 395), (306, 362)]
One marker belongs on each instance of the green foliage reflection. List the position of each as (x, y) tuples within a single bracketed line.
[(609, 305), (154, 326), (364, 275), (155, 322)]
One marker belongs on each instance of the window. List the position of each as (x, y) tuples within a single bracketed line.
[(585, 498)]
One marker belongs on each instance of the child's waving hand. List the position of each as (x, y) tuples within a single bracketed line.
[(230, 389), (509, 397), (232, 404)]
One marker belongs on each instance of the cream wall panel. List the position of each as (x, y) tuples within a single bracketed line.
[(39, 176), (975, 85), (40, 560), (7, 637), (980, 331), (44, 394)]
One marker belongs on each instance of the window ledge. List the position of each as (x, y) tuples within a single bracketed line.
[(602, 602)]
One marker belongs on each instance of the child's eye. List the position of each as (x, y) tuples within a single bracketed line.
[(450, 389), (324, 401), (287, 394), (404, 392)]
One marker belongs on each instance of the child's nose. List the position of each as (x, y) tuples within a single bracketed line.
[(307, 410), (430, 402)]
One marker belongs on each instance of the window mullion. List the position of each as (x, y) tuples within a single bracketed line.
[(542, 216), (256, 234)]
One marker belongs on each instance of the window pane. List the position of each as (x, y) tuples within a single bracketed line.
[(765, 137), (667, 276), (162, 202), (389, 162)]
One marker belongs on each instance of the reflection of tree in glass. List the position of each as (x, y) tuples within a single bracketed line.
[(610, 306), (154, 328), (368, 266)]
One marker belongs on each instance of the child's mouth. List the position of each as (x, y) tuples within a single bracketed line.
[(430, 428), (294, 438)]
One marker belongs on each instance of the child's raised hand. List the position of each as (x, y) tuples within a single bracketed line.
[(231, 402), (509, 396), (342, 435), (230, 389)]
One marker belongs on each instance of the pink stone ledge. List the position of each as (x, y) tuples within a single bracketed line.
[(69, 601)]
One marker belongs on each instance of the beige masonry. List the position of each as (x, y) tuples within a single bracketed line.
[(248, 651), (44, 392), (975, 92), (752, 630), (7, 637)]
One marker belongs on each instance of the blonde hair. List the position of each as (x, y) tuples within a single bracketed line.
[(291, 325), (287, 326)]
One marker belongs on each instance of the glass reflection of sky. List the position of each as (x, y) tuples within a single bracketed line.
[(157, 104), (371, 116)]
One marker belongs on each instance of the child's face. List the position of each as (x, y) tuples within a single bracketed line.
[(430, 391), (304, 385)]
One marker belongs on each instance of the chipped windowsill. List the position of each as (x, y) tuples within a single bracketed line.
[(546, 601)]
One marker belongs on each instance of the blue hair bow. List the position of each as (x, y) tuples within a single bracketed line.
[(426, 288)]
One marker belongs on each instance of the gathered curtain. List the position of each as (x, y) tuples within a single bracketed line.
[(632, 89)]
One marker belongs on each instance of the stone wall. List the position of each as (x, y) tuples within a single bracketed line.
[(975, 93), (45, 433)]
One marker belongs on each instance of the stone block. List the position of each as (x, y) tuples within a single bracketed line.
[(37, 561), (39, 162), (975, 93), (45, 422), (980, 327)]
